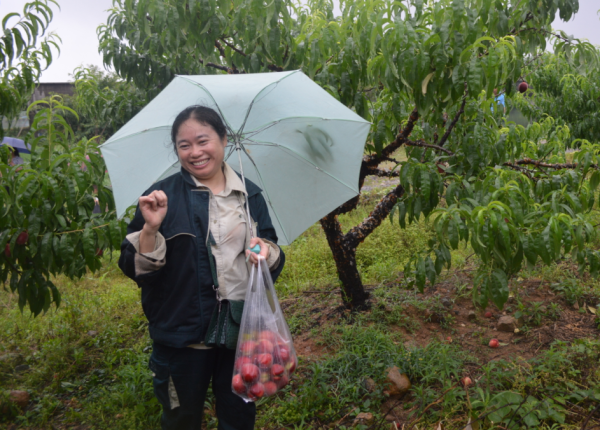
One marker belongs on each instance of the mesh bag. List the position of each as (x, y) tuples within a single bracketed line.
[(265, 355)]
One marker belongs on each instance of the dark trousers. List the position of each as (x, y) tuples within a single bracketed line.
[(181, 378)]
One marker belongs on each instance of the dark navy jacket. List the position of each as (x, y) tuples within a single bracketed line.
[(178, 299)]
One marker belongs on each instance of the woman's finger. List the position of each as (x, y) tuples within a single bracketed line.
[(161, 198)]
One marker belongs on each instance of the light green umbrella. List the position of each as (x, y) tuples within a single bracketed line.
[(297, 142)]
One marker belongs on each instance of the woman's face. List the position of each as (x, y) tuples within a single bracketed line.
[(200, 149)]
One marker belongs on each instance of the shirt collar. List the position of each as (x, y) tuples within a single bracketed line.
[(232, 181)]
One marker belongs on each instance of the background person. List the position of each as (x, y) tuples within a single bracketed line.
[(166, 253)]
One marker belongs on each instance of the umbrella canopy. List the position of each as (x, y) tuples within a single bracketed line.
[(17, 144), (299, 144)]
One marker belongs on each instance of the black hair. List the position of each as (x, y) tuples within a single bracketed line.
[(204, 115), (16, 152)]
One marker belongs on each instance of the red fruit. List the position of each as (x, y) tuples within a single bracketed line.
[(523, 87), (265, 346), (282, 382), (7, 250), (256, 391), (249, 373), (466, 381), (241, 361), (270, 388), (248, 348), (291, 366), (283, 354), (488, 314), (264, 361), (276, 371), (494, 343), (99, 252), (238, 385), (268, 335), (449, 339), (23, 238)]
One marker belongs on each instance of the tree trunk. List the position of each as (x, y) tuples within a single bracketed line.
[(353, 293), (343, 246)]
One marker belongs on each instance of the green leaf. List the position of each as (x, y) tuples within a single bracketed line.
[(499, 288)]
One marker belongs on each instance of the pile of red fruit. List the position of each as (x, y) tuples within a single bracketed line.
[(263, 366)]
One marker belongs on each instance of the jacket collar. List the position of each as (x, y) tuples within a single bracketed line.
[(233, 181)]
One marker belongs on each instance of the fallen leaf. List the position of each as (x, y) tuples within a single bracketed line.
[(592, 310), (503, 344)]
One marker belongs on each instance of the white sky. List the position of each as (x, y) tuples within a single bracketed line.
[(77, 21)]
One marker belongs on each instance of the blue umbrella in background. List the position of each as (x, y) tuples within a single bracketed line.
[(23, 147)]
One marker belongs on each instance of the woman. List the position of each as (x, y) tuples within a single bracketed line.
[(166, 253)]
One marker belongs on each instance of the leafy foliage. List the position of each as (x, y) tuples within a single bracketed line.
[(21, 61), (562, 90), (48, 225), (424, 74), (104, 101)]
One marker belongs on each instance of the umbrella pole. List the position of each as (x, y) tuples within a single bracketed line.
[(238, 149)]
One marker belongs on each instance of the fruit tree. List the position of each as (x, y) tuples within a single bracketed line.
[(423, 72), (48, 222)]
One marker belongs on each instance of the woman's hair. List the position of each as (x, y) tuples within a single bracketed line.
[(204, 115), (16, 152)]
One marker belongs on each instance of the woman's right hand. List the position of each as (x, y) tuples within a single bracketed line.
[(154, 209)]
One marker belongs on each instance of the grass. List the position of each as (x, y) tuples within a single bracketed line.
[(85, 363)]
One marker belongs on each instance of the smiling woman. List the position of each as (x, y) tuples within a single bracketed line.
[(186, 249)]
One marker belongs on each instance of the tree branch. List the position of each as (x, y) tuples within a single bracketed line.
[(422, 144), (220, 48), (358, 234), (455, 120), (217, 66), (233, 47), (374, 160), (373, 171), (539, 164)]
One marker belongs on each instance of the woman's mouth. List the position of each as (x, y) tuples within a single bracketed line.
[(200, 163)]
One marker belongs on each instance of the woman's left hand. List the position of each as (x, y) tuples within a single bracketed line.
[(264, 250)]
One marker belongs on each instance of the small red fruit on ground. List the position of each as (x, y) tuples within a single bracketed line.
[(238, 384), (276, 371), (488, 314), (494, 343), (466, 381), (449, 339), (249, 373), (256, 391), (523, 87), (23, 238), (7, 250), (263, 360), (270, 388)]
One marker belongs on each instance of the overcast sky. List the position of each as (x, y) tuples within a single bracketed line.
[(77, 20)]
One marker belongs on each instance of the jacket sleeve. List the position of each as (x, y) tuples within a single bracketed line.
[(260, 212), (142, 268)]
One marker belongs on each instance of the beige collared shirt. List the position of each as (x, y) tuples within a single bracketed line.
[(228, 225)]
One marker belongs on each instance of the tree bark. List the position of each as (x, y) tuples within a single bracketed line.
[(353, 293), (343, 246)]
